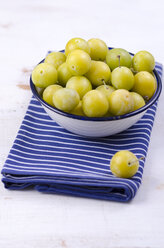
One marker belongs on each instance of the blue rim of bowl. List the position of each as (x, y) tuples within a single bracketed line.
[(153, 99)]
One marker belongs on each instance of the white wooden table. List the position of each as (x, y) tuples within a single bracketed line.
[(29, 219)]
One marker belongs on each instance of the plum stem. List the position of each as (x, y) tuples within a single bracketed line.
[(134, 161), (146, 98), (104, 83), (133, 70), (119, 57)]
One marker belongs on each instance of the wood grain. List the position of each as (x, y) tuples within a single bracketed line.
[(28, 219)]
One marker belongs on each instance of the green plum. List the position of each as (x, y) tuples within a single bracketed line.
[(44, 75), (143, 61), (95, 104), (99, 73), (144, 84), (76, 43), (118, 57), (66, 99), (138, 101), (49, 92), (78, 62), (55, 58), (98, 49), (120, 102), (78, 110), (122, 78), (124, 164), (79, 83), (64, 74), (106, 90)]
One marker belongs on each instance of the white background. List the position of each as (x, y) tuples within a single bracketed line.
[(29, 219)]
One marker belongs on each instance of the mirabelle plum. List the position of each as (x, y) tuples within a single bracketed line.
[(66, 99), (124, 164), (118, 57), (77, 43), (138, 101), (144, 84), (78, 62), (98, 49), (143, 61), (106, 89), (44, 75), (122, 78), (120, 102), (79, 83), (49, 92), (55, 58), (95, 104), (78, 110), (99, 73), (64, 74)]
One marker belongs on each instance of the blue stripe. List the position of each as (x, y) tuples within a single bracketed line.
[(52, 149), (54, 160)]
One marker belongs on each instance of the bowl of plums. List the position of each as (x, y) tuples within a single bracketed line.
[(94, 90)]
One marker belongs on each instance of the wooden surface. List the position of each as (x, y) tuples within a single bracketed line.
[(29, 219)]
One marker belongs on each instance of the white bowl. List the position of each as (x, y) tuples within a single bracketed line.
[(99, 126)]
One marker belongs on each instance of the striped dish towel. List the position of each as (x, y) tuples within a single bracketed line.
[(50, 159)]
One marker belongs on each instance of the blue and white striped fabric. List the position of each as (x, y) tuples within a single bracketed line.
[(51, 159)]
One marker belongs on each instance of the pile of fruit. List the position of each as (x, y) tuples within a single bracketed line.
[(91, 80)]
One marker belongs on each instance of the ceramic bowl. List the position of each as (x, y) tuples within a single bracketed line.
[(96, 126)]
